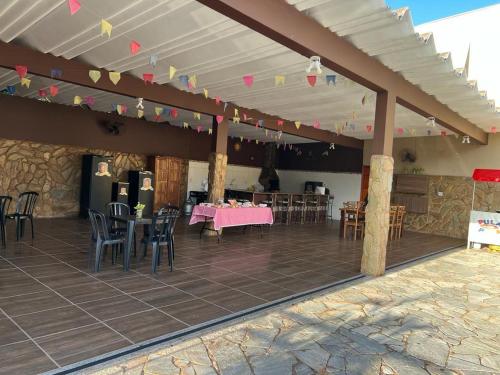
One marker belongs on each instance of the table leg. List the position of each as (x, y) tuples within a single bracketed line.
[(128, 245), (341, 225)]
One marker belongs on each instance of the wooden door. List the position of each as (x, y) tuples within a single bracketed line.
[(161, 178), (174, 182), (365, 178), (167, 181)]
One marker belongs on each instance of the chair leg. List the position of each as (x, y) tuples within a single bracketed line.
[(154, 258), (18, 229), (345, 229), (113, 254), (98, 253), (32, 230), (2, 229), (170, 255)]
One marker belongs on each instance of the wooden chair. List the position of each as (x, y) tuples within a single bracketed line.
[(354, 218), (282, 208), (298, 208), (396, 221)]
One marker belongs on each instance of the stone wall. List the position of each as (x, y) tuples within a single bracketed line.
[(53, 171), (448, 215)]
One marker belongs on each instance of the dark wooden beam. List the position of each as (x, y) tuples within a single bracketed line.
[(77, 73), (286, 25), (384, 124)]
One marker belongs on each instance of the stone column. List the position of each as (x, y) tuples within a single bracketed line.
[(379, 187), (377, 215)]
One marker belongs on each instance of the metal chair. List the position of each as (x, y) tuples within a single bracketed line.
[(103, 238), (175, 212), (121, 210), (24, 211), (162, 236), (4, 209)]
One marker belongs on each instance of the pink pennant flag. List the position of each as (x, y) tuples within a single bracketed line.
[(316, 124), (493, 129), (54, 90), (443, 133), (245, 117), (400, 131), (42, 93), (280, 122), (219, 119), (148, 77), (90, 101), (74, 6), (369, 128), (312, 80), (21, 71), (134, 47), (173, 113), (157, 118), (199, 128), (248, 80), (217, 100)]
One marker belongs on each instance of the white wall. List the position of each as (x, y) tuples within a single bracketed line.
[(344, 186)]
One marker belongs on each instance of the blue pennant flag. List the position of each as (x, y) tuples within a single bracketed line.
[(56, 73), (331, 78), (184, 79), (11, 90)]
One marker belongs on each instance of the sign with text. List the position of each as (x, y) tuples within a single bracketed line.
[(484, 227)]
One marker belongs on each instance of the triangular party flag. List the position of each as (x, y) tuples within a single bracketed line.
[(115, 77), (413, 132), (95, 75), (429, 132), (210, 131), (219, 119), (196, 115), (316, 124), (174, 113), (241, 139), (493, 129), (279, 80), (158, 111), (74, 6), (134, 47), (331, 78), (256, 141), (42, 93), (184, 79), (140, 113), (25, 82), (236, 112), (236, 120), (119, 109), (369, 128), (55, 73), (11, 90), (443, 133), (54, 90), (171, 71), (261, 123), (199, 128), (217, 100), (245, 118), (225, 106), (77, 100), (400, 131), (338, 129), (192, 80), (266, 131), (185, 125), (205, 92), (297, 124), (89, 100), (312, 80), (280, 133), (106, 28), (153, 60), (139, 103), (248, 80), (21, 71), (280, 122), (148, 77)]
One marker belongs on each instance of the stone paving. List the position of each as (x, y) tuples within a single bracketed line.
[(437, 317)]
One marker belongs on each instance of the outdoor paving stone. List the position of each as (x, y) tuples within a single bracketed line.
[(428, 348)]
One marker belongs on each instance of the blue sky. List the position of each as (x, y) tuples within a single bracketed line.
[(429, 10)]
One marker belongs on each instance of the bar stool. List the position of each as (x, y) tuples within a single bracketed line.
[(322, 208), (282, 208), (298, 208), (311, 208)]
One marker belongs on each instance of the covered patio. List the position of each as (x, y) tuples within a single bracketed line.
[(317, 117)]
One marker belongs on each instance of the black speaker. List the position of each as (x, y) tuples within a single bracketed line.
[(141, 190), (120, 192), (96, 183)]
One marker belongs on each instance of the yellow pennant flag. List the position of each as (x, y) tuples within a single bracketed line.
[(210, 131), (266, 132), (95, 75), (205, 92), (185, 125), (279, 80), (115, 77), (192, 80), (196, 115), (25, 82), (297, 124), (172, 71), (119, 109), (106, 28), (241, 139), (77, 100), (236, 113), (158, 111), (236, 120), (256, 141), (140, 113)]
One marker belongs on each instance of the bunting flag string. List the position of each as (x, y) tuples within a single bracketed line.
[(106, 28), (248, 80), (171, 72), (199, 128), (297, 124), (115, 77), (95, 75), (311, 79), (54, 90), (22, 71), (148, 77), (74, 6), (26, 82), (134, 47), (158, 111), (77, 100)]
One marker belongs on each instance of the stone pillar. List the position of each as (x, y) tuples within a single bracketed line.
[(379, 187), (377, 215)]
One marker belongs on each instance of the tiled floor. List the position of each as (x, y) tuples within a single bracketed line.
[(54, 312)]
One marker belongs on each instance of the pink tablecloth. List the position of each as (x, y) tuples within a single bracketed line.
[(232, 217)]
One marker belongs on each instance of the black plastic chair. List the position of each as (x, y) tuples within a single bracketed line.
[(123, 210), (171, 211), (162, 236), (4, 209), (24, 211), (102, 237)]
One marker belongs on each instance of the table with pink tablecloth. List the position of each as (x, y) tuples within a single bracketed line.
[(232, 217)]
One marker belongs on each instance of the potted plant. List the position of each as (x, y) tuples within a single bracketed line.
[(138, 209)]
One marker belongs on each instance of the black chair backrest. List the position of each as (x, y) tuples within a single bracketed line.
[(162, 225), (26, 203), (118, 209), (99, 225), (4, 206), (170, 211)]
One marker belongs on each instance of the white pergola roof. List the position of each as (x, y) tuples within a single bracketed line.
[(198, 40)]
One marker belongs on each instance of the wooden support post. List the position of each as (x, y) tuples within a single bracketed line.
[(379, 188)]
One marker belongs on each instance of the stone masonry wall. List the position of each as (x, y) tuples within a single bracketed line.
[(53, 171), (449, 215)]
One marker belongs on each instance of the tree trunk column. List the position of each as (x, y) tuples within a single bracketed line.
[(217, 167), (377, 215)]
